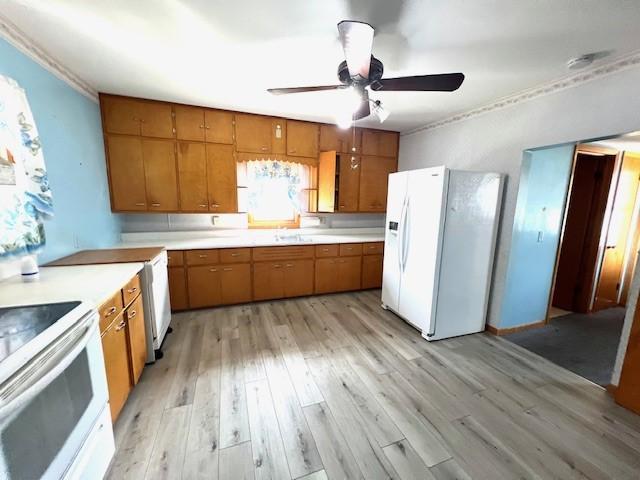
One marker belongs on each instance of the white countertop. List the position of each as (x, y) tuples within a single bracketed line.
[(93, 284), (248, 238)]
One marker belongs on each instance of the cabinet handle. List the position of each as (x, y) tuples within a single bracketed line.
[(289, 265), (132, 314), (214, 205), (213, 269), (325, 249), (201, 126), (141, 204), (155, 204), (277, 265), (341, 206), (120, 326), (264, 149), (202, 256), (208, 127), (349, 248), (235, 254), (110, 312), (293, 150), (228, 269), (132, 290), (203, 205)]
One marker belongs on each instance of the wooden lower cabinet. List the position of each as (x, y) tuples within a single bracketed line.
[(372, 271), (298, 278), (211, 285), (116, 361), (235, 284), (134, 316), (268, 280), (338, 274), (178, 288)]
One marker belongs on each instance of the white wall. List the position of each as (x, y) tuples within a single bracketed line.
[(495, 141)]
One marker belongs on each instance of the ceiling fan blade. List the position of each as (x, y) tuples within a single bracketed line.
[(357, 42), (445, 82), (283, 91), (364, 110)]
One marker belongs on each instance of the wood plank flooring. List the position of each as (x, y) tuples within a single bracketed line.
[(334, 387)]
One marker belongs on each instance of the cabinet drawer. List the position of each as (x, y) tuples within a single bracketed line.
[(131, 290), (349, 249), (373, 248), (110, 310), (262, 254), (175, 258), (202, 257), (235, 255), (326, 251)]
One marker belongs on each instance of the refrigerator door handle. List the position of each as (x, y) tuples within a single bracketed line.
[(405, 241), (401, 233)]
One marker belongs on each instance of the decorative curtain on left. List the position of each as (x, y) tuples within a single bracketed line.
[(25, 198)]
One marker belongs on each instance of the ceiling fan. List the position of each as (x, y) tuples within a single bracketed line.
[(361, 72)]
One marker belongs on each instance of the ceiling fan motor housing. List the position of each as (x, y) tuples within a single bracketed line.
[(376, 70)]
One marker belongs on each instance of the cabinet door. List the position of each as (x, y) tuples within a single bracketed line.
[(221, 178), (353, 143), (121, 115), (327, 164), (204, 286), (331, 138), (278, 135), (253, 133), (126, 173), (218, 126), (156, 120), (348, 184), (302, 139), (160, 174), (349, 273), (372, 271), (192, 177), (189, 123), (298, 278), (326, 275), (137, 339), (116, 363), (178, 288), (235, 283), (374, 176), (268, 280), (388, 144)]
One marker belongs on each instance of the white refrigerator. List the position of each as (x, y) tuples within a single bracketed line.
[(440, 240)]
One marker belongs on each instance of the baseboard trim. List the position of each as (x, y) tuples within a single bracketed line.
[(506, 331)]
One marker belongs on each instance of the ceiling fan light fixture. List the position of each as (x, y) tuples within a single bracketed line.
[(344, 122)]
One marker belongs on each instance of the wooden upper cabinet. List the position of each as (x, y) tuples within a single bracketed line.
[(279, 136), (160, 175), (380, 143), (342, 141), (348, 183), (302, 139), (374, 175), (253, 133), (156, 120), (192, 177), (126, 173), (327, 163), (218, 126), (189, 123), (222, 178), (121, 115)]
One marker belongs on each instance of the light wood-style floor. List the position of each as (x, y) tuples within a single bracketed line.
[(335, 387)]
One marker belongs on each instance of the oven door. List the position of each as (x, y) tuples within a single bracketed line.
[(48, 408)]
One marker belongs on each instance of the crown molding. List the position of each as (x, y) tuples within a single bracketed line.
[(26, 45), (570, 81)]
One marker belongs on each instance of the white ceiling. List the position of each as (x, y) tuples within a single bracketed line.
[(226, 53)]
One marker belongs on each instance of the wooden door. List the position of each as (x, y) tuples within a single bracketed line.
[(628, 392), (253, 133), (192, 177), (235, 283), (136, 336), (268, 280), (349, 273), (372, 271), (218, 126), (116, 363), (221, 178), (298, 278), (121, 115), (204, 286), (302, 139), (189, 123), (326, 275), (327, 181), (348, 183), (178, 289), (156, 120), (126, 173), (583, 224), (374, 176), (610, 279), (160, 174)]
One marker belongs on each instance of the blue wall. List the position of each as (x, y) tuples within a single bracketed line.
[(540, 207), (71, 136)]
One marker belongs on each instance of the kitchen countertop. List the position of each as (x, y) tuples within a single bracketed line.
[(113, 255), (248, 238), (93, 284)]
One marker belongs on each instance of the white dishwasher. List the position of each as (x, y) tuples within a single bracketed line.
[(157, 309)]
